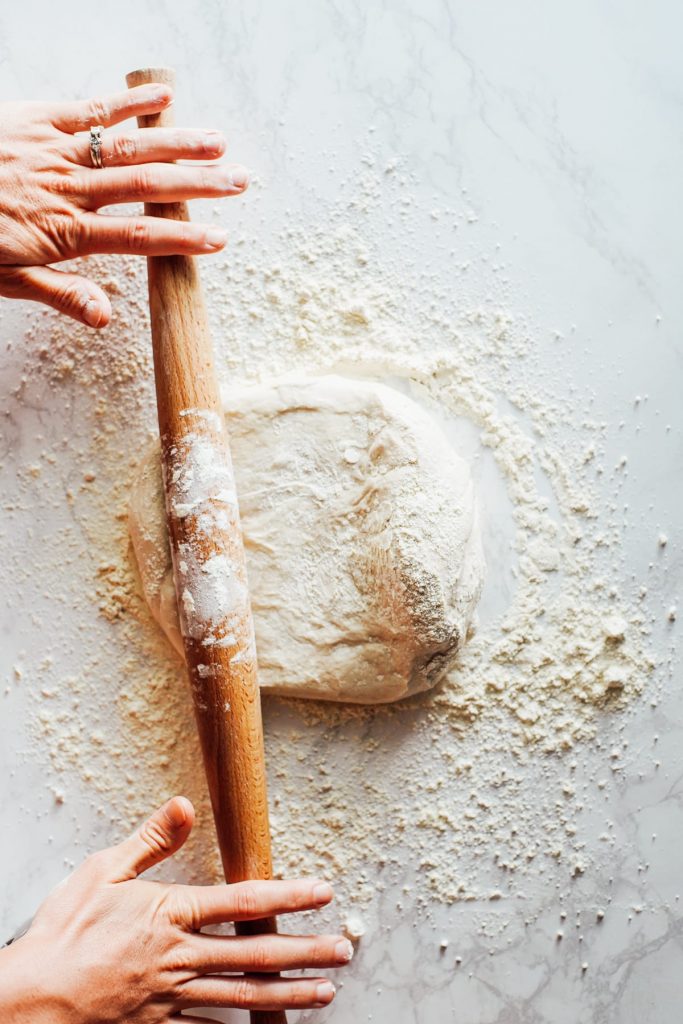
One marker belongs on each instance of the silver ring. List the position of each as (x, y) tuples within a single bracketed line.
[(96, 145)]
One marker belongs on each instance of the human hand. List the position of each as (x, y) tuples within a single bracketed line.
[(108, 946), (50, 193)]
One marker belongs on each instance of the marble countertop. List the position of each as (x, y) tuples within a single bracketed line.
[(561, 125)]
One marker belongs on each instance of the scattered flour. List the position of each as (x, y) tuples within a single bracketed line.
[(353, 928), (439, 782)]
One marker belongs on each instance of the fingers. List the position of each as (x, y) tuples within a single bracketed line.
[(157, 183), (159, 837), (150, 236), (251, 993), (262, 954), (79, 115), (75, 296), (146, 145), (199, 905)]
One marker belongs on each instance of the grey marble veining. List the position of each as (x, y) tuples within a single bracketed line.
[(562, 124)]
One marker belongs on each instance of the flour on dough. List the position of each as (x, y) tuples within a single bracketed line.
[(360, 528)]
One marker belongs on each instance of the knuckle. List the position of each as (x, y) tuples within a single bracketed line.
[(298, 994), (99, 110), (259, 957), (64, 184), (181, 957), (155, 837), (72, 233), (185, 238), (74, 298), (246, 899), (184, 907), (244, 992), (144, 183), (123, 148), (137, 236), (209, 181)]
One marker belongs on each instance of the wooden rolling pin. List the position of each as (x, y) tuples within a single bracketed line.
[(208, 557)]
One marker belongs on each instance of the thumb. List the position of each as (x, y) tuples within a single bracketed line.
[(68, 293), (159, 837)]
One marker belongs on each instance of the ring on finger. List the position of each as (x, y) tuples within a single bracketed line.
[(96, 145)]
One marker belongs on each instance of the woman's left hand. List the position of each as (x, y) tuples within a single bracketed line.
[(50, 193)]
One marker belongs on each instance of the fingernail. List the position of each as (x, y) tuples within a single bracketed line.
[(322, 892), (343, 951), (176, 812), (324, 993), (238, 177), (162, 96), (213, 142), (92, 314), (216, 238)]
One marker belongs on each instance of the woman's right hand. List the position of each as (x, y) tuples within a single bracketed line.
[(108, 946), (51, 194)]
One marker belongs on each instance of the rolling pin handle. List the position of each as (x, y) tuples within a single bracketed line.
[(232, 746)]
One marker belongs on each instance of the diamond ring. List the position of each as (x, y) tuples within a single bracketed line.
[(96, 145)]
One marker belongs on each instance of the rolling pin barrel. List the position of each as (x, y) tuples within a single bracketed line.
[(208, 557)]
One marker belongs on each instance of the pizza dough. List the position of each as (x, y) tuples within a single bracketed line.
[(360, 528)]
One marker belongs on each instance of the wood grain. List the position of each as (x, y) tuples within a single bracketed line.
[(203, 524)]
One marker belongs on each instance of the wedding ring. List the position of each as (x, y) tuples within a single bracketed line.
[(96, 145)]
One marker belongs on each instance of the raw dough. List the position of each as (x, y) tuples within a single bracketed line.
[(360, 527)]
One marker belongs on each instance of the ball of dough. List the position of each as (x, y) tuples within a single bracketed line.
[(360, 528)]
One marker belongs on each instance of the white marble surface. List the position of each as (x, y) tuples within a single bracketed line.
[(562, 122)]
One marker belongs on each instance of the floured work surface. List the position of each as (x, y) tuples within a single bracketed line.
[(477, 783)]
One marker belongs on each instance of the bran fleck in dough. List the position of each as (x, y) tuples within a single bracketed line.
[(360, 527)]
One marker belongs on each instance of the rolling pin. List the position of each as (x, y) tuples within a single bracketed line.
[(208, 557)]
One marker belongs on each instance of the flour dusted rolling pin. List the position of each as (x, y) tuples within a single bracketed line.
[(208, 558)]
